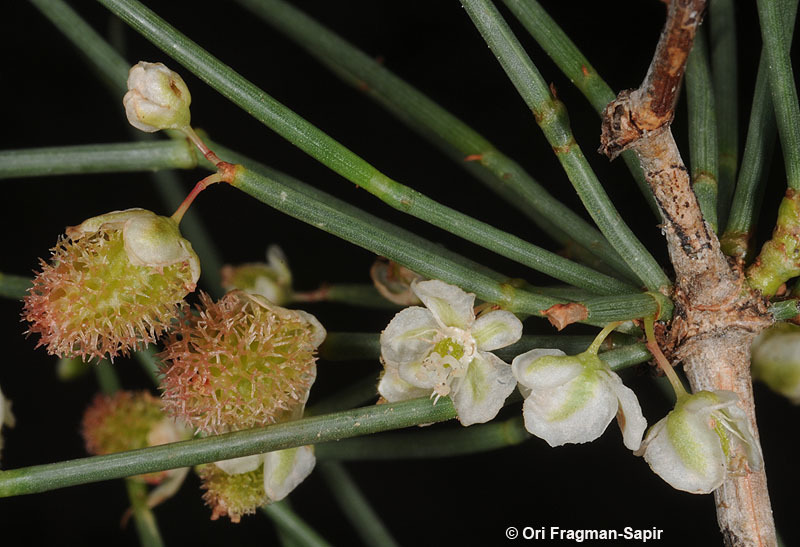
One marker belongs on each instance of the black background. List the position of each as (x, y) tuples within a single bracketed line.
[(50, 97)]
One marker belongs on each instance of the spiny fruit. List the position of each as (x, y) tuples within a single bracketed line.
[(113, 283), (239, 363)]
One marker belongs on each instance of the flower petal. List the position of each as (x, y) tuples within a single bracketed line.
[(394, 389), (245, 464), (685, 452), (285, 469), (576, 412), (409, 335), (450, 306), (629, 416), (534, 373), (480, 395), (496, 329)]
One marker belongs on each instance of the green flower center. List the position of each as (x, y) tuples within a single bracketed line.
[(448, 346)]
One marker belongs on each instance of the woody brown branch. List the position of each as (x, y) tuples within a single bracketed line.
[(716, 314)]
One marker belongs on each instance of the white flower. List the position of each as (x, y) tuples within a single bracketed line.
[(573, 398), (443, 350), (775, 359), (283, 469), (6, 418), (700, 441), (157, 98)]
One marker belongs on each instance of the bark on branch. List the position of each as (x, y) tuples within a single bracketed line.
[(716, 313)]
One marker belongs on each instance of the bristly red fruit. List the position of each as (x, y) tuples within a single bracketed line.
[(241, 362), (112, 284)]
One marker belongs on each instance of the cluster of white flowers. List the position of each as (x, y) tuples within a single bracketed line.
[(444, 350)]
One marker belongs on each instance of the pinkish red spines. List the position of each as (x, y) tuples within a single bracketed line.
[(232, 495), (90, 301), (240, 363), (122, 421)]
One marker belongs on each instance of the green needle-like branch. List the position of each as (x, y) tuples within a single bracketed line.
[(551, 115), (773, 19), (315, 430), (355, 506), (331, 153), (577, 68), (725, 74), (702, 129), (14, 286), (97, 158), (464, 145), (293, 526), (354, 294)]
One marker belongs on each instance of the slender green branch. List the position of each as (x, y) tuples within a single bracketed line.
[(350, 346), (322, 147), (355, 294), (426, 444), (702, 129), (339, 425), (291, 523), (14, 286), (454, 137), (97, 158), (355, 506), (749, 194), (356, 394), (551, 115), (113, 69), (146, 525), (782, 86), (580, 72), (725, 74), (149, 362)]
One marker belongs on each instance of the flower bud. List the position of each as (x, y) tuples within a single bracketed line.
[(775, 357), (394, 282), (272, 280), (157, 98), (698, 443), (241, 362), (113, 283), (129, 420)]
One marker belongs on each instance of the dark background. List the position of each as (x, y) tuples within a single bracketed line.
[(50, 97)]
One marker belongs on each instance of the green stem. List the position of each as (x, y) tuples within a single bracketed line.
[(702, 129), (773, 20), (315, 430), (146, 525), (113, 69), (551, 115), (353, 346), (149, 362), (725, 73), (331, 153), (465, 146), (779, 259), (355, 506), (14, 286), (370, 233), (291, 523), (97, 158), (347, 293), (426, 444), (580, 72)]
